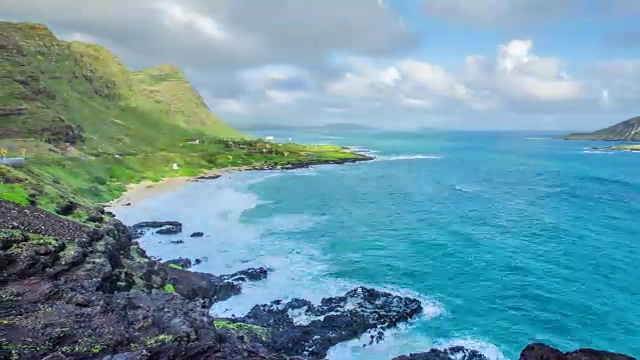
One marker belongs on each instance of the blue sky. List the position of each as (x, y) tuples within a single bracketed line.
[(455, 64)]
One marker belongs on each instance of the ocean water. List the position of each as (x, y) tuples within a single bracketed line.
[(507, 238)]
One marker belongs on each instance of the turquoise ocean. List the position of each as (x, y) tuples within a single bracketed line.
[(507, 238)]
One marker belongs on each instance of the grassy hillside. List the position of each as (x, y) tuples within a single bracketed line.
[(90, 126), (628, 130)]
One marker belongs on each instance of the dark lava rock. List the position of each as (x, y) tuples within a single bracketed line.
[(138, 230), (176, 241), (67, 209), (73, 292), (181, 262), (539, 351), (197, 234), (195, 285), (127, 204), (336, 320), (170, 230), (452, 353), (251, 274), (208, 177), (197, 262), (535, 351)]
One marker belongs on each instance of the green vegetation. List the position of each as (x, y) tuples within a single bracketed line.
[(174, 266), (169, 288), (248, 330), (623, 148), (628, 130), (91, 127)]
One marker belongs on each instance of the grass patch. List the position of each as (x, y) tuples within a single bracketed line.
[(169, 288)]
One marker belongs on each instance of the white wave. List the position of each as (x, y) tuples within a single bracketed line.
[(331, 137), (460, 188), (361, 149), (538, 138), (407, 157), (403, 341), (597, 152), (299, 269)]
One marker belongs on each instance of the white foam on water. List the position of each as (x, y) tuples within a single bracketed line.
[(597, 152), (403, 341), (299, 269), (538, 138), (407, 157)]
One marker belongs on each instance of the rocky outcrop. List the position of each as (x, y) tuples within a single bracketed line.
[(308, 163), (279, 327), (75, 291), (535, 351), (166, 227)]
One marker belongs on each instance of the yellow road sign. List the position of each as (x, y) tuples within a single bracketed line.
[(23, 150), (4, 151)]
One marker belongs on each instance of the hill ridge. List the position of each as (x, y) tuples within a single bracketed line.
[(628, 130)]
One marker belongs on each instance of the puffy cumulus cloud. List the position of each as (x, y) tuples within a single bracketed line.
[(226, 33), (516, 74), (410, 90)]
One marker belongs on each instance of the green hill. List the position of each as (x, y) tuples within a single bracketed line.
[(90, 126), (628, 130)]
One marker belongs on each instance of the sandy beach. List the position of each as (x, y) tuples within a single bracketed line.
[(147, 188)]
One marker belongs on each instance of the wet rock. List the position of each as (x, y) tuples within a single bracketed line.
[(452, 353), (535, 351), (335, 320), (197, 234), (251, 274), (169, 230), (176, 241), (138, 230), (208, 177), (181, 262), (197, 262), (538, 351)]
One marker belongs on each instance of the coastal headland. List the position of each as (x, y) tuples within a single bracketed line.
[(75, 283)]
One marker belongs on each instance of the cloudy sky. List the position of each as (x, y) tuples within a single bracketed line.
[(473, 64)]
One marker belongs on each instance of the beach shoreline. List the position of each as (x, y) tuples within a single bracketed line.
[(148, 189)]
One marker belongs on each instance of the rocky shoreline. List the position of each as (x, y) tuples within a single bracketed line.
[(89, 291)]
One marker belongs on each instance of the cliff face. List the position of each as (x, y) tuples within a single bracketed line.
[(90, 126), (81, 94), (628, 130)]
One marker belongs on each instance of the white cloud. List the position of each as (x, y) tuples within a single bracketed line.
[(519, 75), (226, 34)]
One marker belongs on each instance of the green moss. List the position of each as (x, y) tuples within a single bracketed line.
[(174, 266), (169, 288), (243, 329), (16, 193), (160, 339)]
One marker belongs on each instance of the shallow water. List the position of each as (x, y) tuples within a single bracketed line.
[(507, 238)]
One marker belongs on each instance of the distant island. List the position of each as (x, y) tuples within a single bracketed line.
[(628, 130)]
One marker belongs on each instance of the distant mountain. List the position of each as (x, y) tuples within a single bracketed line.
[(275, 127), (628, 130), (345, 126)]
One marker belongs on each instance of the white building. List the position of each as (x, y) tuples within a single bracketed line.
[(269, 138)]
